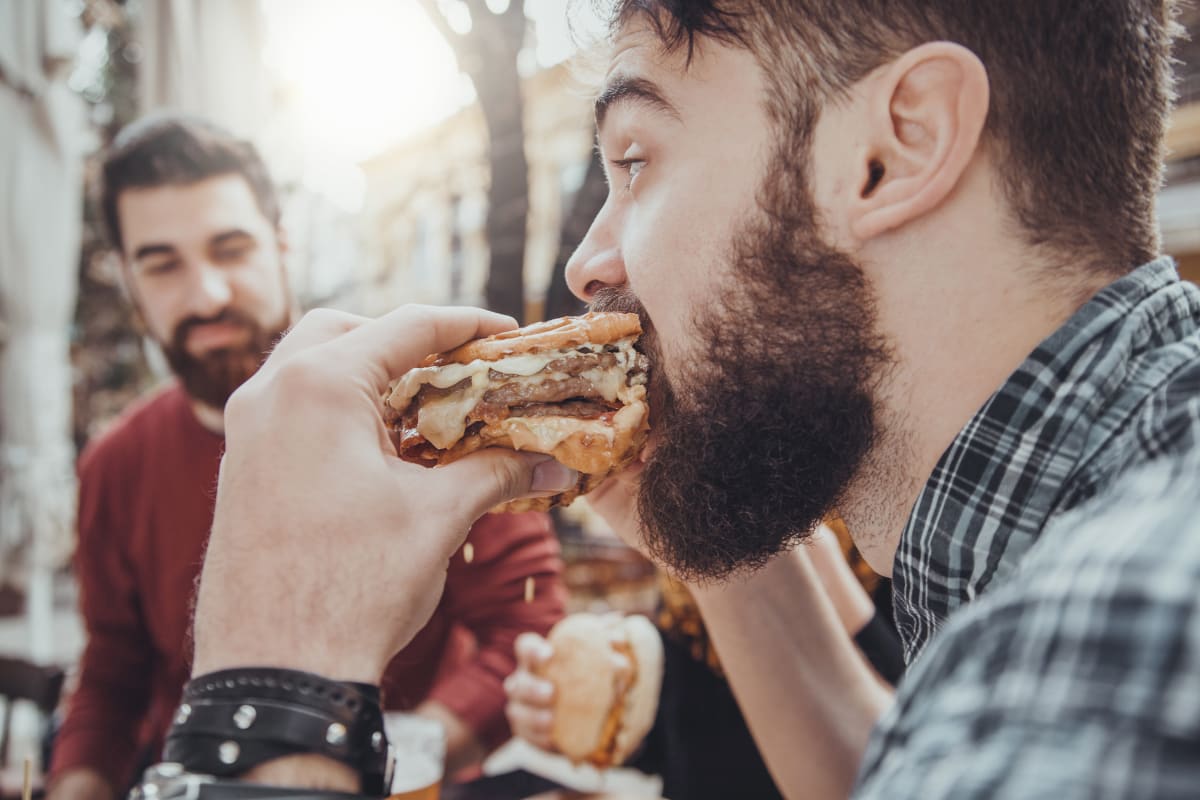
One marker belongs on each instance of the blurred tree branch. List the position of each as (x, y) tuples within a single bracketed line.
[(488, 54), (439, 21), (586, 204), (106, 349)]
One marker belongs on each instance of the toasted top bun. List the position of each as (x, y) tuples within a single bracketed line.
[(597, 327), (604, 706)]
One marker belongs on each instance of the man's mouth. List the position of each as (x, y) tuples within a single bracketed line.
[(206, 337)]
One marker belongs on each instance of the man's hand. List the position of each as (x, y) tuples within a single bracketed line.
[(530, 698), (328, 553)]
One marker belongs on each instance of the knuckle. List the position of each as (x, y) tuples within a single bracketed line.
[(525, 688), (300, 374), (418, 314), (525, 645)]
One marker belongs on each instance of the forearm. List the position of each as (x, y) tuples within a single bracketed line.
[(796, 650)]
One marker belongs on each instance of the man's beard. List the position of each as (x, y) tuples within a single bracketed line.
[(758, 438), (212, 378)]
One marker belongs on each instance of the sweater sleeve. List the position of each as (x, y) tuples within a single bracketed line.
[(487, 596), (106, 710)]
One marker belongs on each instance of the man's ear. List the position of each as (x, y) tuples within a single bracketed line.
[(927, 112)]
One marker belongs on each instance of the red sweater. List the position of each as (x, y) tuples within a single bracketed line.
[(146, 491)]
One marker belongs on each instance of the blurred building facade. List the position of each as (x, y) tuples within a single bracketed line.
[(41, 145), (425, 209), (1179, 203)]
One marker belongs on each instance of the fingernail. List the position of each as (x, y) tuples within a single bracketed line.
[(543, 651), (551, 476)]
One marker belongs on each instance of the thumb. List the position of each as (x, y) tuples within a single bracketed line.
[(498, 475)]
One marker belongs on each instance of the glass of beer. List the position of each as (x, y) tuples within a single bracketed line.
[(419, 744)]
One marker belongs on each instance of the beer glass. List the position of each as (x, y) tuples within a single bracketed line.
[(419, 744)]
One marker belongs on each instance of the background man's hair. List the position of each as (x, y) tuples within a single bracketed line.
[(1080, 93), (173, 150)]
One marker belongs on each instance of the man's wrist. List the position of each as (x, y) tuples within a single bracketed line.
[(256, 631), (235, 646), (332, 666)]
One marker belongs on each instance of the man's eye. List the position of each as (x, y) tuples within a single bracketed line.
[(228, 255), (160, 267), (631, 167)]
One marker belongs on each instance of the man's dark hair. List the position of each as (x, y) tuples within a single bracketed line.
[(1080, 93), (170, 150)]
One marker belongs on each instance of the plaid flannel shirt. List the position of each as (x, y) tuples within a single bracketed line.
[(1072, 499)]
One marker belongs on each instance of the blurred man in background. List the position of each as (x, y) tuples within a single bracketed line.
[(196, 220)]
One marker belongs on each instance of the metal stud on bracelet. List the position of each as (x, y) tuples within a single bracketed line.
[(228, 752), (335, 734), (244, 717)]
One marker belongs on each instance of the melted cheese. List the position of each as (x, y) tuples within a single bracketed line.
[(442, 421), (543, 434), (526, 365), (444, 377)]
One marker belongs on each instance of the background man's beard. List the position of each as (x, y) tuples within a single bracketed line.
[(758, 440), (211, 379)]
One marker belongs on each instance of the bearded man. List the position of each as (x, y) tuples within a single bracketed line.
[(195, 218), (896, 259)]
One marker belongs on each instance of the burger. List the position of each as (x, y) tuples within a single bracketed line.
[(607, 673), (573, 388)]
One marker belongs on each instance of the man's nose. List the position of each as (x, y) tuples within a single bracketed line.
[(597, 262), (209, 291)]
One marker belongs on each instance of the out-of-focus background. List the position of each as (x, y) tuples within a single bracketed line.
[(434, 151)]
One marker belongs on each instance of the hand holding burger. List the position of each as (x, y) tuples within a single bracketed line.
[(284, 516), (590, 690)]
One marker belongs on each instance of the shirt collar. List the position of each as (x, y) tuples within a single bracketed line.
[(1007, 471)]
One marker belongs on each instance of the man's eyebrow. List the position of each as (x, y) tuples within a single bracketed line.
[(225, 236), (147, 250), (627, 88)]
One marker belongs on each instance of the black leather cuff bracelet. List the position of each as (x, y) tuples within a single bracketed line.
[(232, 721)]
